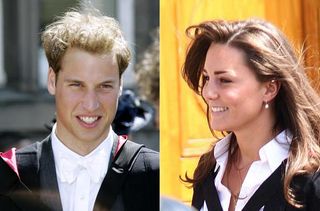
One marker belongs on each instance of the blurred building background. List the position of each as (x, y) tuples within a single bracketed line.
[(25, 105), (184, 131)]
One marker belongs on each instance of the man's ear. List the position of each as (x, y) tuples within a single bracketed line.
[(120, 89), (51, 81), (272, 89)]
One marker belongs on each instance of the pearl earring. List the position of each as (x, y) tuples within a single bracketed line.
[(266, 106)]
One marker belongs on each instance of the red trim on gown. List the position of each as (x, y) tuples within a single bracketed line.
[(10, 158), (122, 139)]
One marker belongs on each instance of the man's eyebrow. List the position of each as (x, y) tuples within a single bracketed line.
[(73, 81), (108, 81)]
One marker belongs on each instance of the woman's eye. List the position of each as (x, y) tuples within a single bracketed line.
[(224, 80), (205, 78)]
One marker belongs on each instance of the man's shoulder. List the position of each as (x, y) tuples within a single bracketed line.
[(149, 155), (141, 189), (147, 160), (32, 148), (29, 155), (29, 149)]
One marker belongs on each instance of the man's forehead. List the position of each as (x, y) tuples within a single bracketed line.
[(88, 76), (84, 80), (78, 54)]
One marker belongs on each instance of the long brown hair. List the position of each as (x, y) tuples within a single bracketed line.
[(271, 57)]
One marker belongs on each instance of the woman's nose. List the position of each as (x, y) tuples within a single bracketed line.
[(210, 91)]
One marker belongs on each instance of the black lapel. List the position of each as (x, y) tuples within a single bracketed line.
[(210, 193), (268, 189), (49, 190), (100, 203)]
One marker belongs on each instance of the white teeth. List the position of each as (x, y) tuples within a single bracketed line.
[(88, 120), (218, 109)]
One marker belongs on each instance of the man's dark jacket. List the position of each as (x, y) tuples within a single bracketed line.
[(37, 188)]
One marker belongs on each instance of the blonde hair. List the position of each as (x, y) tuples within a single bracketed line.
[(89, 31), (271, 57), (148, 71)]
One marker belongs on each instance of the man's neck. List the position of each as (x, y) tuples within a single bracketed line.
[(81, 147)]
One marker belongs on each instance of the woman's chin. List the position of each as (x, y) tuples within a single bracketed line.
[(219, 129)]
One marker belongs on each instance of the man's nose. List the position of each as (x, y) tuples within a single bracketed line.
[(90, 101)]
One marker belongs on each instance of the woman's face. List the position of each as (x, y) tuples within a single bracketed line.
[(234, 97)]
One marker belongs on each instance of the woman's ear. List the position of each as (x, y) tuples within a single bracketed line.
[(51, 83), (272, 89)]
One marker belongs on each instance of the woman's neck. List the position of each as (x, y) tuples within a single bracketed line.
[(250, 141)]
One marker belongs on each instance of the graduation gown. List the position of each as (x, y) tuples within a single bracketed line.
[(37, 181)]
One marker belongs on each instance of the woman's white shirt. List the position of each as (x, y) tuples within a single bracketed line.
[(271, 156)]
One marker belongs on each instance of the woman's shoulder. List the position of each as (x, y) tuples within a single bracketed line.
[(205, 168), (207, 160), (307, 179), (306, 188)]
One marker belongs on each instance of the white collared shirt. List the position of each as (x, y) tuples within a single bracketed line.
[(78, 191), (271, 156)]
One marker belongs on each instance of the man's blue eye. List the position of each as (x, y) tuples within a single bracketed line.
[(106, 86)]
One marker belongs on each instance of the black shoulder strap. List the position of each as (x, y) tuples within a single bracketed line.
[(117, 173)]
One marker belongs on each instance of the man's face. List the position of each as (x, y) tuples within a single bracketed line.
[(86, 92)]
